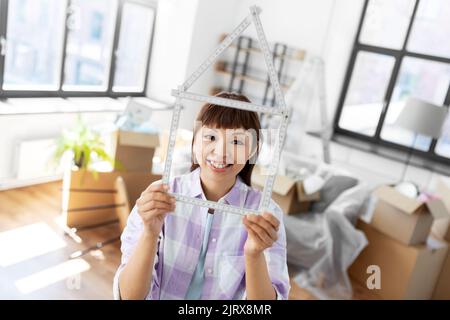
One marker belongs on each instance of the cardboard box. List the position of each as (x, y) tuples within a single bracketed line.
[(302, 196), (88, 199), (442, 290), (441, 227), (402, 218), (286, 192), (443, 190), (129, 187), (133, 151), (406, 272)]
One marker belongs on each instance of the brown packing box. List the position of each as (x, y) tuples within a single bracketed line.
[(302, 196), (407, 272), (442, 290), (402, 218), (134, 150), (286, 192), (129, 187), (136, 183), (441, 227), (441, 230), (88, 199)]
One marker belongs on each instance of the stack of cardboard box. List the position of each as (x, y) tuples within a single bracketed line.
[(409, 260), (88, 198), (441, 230), (288, 193)]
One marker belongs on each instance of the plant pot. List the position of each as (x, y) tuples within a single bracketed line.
[(88, 198)]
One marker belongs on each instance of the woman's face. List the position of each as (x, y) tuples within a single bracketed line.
[(223, 153)]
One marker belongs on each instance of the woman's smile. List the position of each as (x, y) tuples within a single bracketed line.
[(218, 166)]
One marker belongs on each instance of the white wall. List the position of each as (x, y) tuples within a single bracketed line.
[(326, 28), (17, 128), (186, 33), (213, 18), (171, 46)]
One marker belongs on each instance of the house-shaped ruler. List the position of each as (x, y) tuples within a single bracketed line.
[(279, 109)]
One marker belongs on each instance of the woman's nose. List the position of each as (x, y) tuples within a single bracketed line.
[(220, 149)]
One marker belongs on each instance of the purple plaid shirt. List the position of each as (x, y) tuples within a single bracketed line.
[(180, 243)]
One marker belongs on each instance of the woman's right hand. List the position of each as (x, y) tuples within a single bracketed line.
[(153, 205)]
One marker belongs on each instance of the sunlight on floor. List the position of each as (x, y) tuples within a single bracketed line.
[(70, 270), (27, 242)]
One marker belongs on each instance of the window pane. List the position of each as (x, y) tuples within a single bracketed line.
[(443, 144), (426, 80), (386, 22), (133, 49), (365, 95), (89, 44), (431, 28), (34, 35)]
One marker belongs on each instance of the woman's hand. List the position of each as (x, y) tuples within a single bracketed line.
[(262, 232), (153, 206)]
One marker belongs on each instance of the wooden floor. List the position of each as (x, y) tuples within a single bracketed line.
[(52, 275), (37, 204)]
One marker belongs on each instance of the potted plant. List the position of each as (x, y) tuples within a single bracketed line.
[(85, 144), (87, 195)]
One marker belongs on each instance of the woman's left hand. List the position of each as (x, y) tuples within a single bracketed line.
[(262, 232)]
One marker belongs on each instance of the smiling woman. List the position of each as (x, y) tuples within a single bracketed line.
[(230, 140), (178, 251)]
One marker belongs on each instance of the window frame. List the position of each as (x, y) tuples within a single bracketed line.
[(398, 55), (60, 93)]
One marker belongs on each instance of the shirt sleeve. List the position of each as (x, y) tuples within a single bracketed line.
[(129, 239), (276, 259)]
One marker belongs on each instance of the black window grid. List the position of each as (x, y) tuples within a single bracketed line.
[(398, 55), (109, 92)]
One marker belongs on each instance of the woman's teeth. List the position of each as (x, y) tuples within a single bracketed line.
[(218, 165)]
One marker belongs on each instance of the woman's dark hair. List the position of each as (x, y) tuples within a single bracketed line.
[(229, 118)]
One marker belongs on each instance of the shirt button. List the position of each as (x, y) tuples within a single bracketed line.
[(209, 270), (213, 240)]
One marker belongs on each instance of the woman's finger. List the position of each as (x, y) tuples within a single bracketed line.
[(254, 235), (271, 233), (263, 223), (262, 234), (149, 215), (162, 196), (160, 212), (153, 204), (272, 220), (157, 186), (155, 195)]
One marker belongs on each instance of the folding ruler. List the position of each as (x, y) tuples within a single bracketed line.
[(279, 109)]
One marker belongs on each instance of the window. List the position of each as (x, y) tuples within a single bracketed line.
[(401, 50), (365, 97), (75, 47), (33, 48), (134, 44), (89, 44)]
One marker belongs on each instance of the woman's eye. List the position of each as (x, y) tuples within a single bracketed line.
[(210, 137), (237, 142)]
